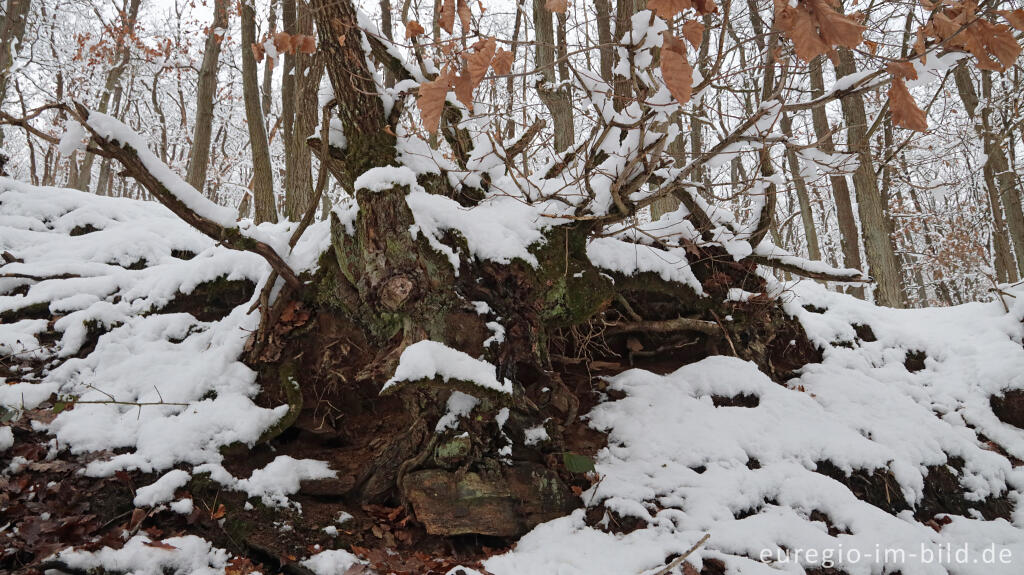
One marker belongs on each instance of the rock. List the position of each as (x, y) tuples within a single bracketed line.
[(505, 503), (1009, 407)]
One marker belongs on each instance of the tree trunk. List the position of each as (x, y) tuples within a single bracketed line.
[(876, 226), (840, 187), (305, 83), (12, 30), (206, 89), (557, 98), (263, 179), (806, 212), (113, 78), (1006, 266)]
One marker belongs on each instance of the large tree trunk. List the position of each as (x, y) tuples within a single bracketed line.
[(307, 70), (876, 226), (206, 89), (263, 179)]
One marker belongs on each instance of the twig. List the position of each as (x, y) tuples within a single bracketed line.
[(678, 560)]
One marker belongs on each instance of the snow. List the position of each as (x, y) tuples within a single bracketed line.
[(459, 405), (6, 438), (332, 562), (430, 359), (630, 259), (381, 179), (190, 555), (111, 128), (73, 139), (274, 482), (162, 490)]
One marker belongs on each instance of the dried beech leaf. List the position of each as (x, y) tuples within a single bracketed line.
[(259, 52), (557, 6), (502, 62), (872, 46), (902, 70), (667, 8), (479, 61), (678, 75), (447, 15), (464, 90), (308, 45), (999, 41), (672, 44), (693, 31), (806, 42), (283, 42), (430, 101), (1014, 17), (413, 29), (836, 29), (905, 112), (465, 16), (705, 6)]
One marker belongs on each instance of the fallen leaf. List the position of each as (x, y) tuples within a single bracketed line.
[(159, 545)]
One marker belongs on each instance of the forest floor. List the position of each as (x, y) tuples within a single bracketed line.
[(120, 332)]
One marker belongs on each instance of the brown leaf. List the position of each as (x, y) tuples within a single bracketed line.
[(672, 44), (678, 75), (220, 512), (902, 70), (341, 40), (259, 52), (693, 31), (872, 46), (502, 62), (463, 85), (668, 8), (447, 15), (905, 112), (705, 6), (283, 42), (836, 29), (413, 29), (806, 42), (308, 45), (465, 16), (479, 61), (430, 101), (159, 545), (1014, 17), (559, 6)]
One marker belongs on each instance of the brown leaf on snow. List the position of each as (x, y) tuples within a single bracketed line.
[(430, 100), (502, 62), (693, 31), (557, 6), (159, 545), (905, 112), (413, 29), (678, 75), (447, 15), (465, 15), (668, 8)]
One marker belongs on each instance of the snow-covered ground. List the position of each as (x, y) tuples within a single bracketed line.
[(745, 474)]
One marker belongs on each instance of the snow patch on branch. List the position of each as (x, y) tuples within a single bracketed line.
[(112, 129)]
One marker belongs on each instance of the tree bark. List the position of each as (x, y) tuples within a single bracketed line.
[(806, 212), (1005, 264), (263, 178), (12, 30), (305, 82), (840, 187), (876, 226), (557, 98), (206, 89)]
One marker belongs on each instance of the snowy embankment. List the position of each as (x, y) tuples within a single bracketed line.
[(839, 467)]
